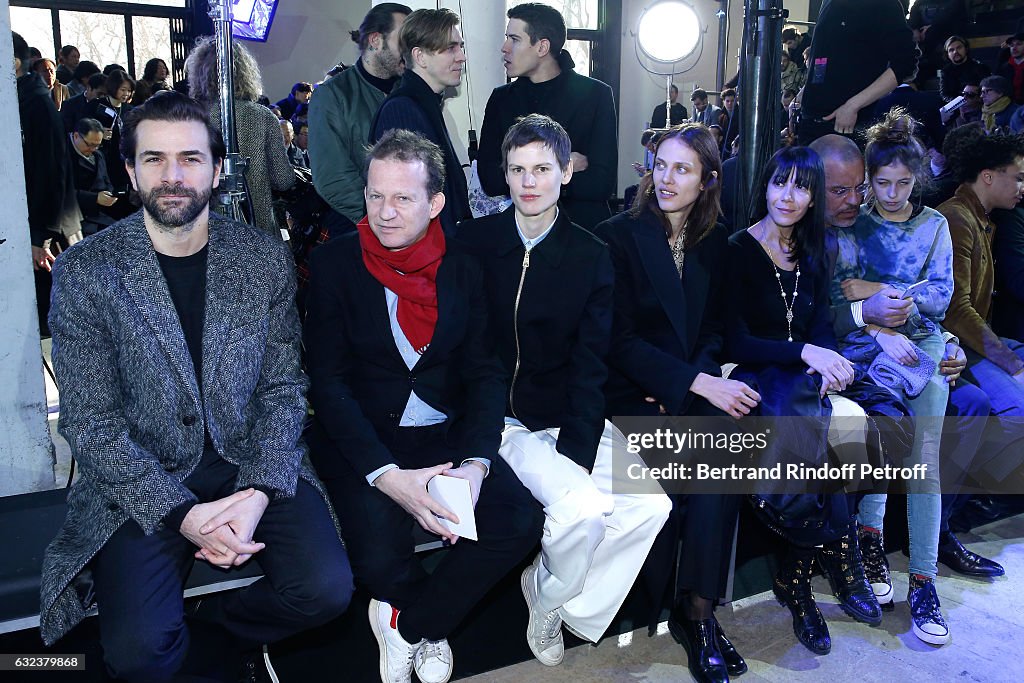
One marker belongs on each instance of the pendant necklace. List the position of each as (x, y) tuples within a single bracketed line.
[(677, 249), (778, 278)]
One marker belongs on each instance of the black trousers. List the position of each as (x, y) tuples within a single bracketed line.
[(379, 536), (139, 581)]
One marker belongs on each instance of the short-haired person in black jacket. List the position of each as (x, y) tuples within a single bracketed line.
[(961, 69), (547, 84), (861, 50), (405, 386), (434, 55), (89, 169), (669, 257), (549, 291)]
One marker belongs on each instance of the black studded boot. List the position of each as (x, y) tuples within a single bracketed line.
[(792, 588), (843, 566)]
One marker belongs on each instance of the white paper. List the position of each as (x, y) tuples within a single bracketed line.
[(456, 495)]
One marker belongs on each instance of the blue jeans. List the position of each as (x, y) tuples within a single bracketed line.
[(1006, 393), (924, 504)]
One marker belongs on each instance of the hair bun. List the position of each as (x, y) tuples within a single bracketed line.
[(354, 35), (897, 136)]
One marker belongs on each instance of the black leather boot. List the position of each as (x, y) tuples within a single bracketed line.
[(792, 588), (843, 566), (699, 638), (734, 663)]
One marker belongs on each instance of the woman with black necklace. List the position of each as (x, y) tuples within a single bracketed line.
[(668, 252), (779, 331)]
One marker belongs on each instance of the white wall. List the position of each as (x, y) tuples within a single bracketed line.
[(26, 454), (307, 38)]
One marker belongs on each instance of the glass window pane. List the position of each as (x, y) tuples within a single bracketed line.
[(99, 37), (577, 13), (152, 38), (35, 26), (580, 52)]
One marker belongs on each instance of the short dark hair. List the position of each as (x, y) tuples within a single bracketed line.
[(427, 29), (537, 128), (170, 106), (790, 34), (110, 68), (1019, 35), (117, 78), (149, 71), (542, 23), (728, 92), (380, 19), (674, 88), (809, 231), (997, 83), (302, 86), (85, 69), (20, 48), (97, 80), (85, 126), (66, 50), (969, 151), (698, 94), (409, 147)]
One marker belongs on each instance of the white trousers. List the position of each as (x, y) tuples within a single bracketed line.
[(595, 541)]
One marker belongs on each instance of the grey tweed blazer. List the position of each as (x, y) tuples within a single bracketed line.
[(130, 407)]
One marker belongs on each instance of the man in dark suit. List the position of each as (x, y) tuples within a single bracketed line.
[(89, 168), (546, 83), (183, 401), (405, 386), (432, 48)]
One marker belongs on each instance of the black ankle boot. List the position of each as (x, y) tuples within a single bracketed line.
[(843, 566), (698, 638), (734, 663), (792, 588)]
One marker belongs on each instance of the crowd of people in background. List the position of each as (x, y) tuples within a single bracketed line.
[(883, 225)]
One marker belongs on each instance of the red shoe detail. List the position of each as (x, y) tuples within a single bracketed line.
[(394, 618)]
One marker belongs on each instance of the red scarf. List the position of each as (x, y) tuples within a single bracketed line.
[(411, 273)]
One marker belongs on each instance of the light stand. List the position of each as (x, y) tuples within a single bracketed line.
[(232, 180), (667, 33)]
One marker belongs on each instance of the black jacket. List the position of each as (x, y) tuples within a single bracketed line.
[(1008, 252), (48, 184), (923, 106), (585, 108), (666, 330), (90, 180), (554, 342), (71, 111), (414, 106), (953, 77), (359, 383)]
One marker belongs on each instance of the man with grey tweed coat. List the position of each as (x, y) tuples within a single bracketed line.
[(176, 347)]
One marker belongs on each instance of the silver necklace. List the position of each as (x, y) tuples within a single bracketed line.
[(677, 249), (778, 278)]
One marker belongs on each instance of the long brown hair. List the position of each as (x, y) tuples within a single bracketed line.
[(708, 206)]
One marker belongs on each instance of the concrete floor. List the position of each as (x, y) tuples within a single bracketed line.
[(986, 619)]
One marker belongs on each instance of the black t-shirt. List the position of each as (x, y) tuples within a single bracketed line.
[(186, 280), (385, 85)]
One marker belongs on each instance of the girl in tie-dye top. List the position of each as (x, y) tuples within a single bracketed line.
[(896, 244)]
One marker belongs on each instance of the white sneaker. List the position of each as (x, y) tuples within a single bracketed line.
[(396, 655), (543, 629), (433, 661)]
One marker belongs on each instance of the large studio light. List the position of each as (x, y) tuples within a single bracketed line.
[(668, 31)]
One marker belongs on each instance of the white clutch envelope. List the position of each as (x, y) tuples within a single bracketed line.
[(456, 495)]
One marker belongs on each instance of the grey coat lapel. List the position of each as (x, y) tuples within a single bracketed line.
[(225, 285), (147, 287)]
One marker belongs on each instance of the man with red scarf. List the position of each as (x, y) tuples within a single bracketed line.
[(405, 386)]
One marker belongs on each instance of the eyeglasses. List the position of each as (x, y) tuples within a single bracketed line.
[(840, 191), (970, 95)]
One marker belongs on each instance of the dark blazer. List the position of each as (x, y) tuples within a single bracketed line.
[(552, 334), (665, 331), (359, 381), (923, 106), (71, 111), (1008, 251)]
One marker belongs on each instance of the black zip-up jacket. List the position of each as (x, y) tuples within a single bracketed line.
[(551, 322)]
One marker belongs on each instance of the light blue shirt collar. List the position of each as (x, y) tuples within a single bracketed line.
[(530, 244)]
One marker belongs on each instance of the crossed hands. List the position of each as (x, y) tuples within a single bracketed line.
[(223, 529)]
